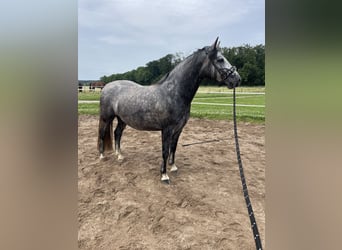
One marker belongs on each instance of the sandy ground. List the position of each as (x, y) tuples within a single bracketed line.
[(123, 204)]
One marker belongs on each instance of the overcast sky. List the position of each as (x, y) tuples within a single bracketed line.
[(115, 36)]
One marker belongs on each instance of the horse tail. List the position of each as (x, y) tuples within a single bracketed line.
[(105, 136)]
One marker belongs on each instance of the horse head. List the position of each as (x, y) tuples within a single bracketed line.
[(219, 67)]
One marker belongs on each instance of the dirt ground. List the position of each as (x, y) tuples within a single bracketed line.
[(123, 205)]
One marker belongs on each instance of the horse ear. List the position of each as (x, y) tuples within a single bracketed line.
[(215, 44)]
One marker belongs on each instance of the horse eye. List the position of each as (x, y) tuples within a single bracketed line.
[(220, 60)]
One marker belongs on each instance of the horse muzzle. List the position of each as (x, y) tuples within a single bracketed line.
[(233, 81), (230, 77)]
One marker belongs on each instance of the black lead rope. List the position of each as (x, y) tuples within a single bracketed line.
[(244, 184)]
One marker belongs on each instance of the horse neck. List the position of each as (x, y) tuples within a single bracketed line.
[(184, 80)]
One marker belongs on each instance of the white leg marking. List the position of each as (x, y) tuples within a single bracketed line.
[(165, 177), (173, 168), (101, 156), (120, 156)]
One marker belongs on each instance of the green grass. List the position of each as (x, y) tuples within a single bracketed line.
[(226, 112), (89, 96), (251, 114), (200, 93), (224, 89), (88, 108)]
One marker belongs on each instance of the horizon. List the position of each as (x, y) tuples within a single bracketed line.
[(162, 57)]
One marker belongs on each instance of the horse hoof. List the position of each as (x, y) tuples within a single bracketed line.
[(167, 182), (165, 179), (101, 156), (174, 173), (119, 155), (174, 169)]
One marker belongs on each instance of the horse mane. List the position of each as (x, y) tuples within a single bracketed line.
[(164, 78)]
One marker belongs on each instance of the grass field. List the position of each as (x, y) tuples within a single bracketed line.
[(206, 104)]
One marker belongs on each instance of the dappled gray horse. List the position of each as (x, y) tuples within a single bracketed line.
[(164, 106)]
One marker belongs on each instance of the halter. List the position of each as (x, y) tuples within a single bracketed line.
[(224, 73)]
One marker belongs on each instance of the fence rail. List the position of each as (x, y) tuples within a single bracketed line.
[(239, 91), (213, 104), (201, 103), (231, 92)]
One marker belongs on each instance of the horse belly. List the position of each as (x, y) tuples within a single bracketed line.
[(143, 108), (142, 117)]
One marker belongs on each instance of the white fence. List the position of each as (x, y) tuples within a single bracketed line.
[(249, 94), (87, 89)]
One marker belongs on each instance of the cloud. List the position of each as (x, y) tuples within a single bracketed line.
[(160, 27), (177, 17), (114, 40)]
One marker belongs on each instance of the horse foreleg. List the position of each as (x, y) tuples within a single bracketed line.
[(173, 147), (166, 138)]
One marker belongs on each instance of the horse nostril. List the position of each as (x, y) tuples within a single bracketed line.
[(237, 83)]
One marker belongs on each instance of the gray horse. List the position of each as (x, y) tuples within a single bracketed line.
[(164, 106)]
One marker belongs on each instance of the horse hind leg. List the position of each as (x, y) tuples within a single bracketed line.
[(118, 133), (105, 138)]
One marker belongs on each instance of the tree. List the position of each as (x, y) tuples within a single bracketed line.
[(250, 63)]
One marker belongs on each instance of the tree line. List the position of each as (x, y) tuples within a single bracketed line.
[(249, 60)]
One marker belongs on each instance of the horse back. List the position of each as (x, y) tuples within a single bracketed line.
[(141, 107)]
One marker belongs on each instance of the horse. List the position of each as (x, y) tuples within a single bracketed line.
[(163, 106), (95, 85), (80, 87)]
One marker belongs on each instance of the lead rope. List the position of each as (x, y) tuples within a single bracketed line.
[(244, 184)]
